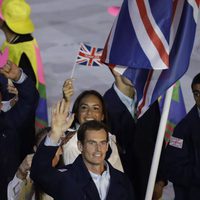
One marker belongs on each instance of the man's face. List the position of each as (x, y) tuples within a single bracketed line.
[(94, 148), (90, 108), (196, 94)]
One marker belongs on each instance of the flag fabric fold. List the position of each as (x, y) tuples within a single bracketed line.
[(140, 35), (151, 83)]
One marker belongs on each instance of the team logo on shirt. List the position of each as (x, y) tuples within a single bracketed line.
[(176, 142)]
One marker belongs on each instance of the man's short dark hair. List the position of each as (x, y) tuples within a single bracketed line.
[(196, 80), (90, 125)]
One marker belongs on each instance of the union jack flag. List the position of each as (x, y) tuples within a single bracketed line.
[(89, 56), (145, 59), (140, 35)]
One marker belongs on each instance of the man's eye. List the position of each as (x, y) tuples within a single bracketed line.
[(91, 142), (196, 93), (103, 143)]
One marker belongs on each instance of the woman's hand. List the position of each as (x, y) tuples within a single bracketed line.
[(68, 90)]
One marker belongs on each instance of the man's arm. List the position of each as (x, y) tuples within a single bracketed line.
[(182, 154), (42, 171), (27, 93), (123, 84), (16, 186)]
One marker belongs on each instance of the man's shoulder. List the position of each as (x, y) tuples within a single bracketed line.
[(191, 116), (121, 183), (193, 113), (113, 101), (189, 122), (118, 175), (109, 92), (78, 168)]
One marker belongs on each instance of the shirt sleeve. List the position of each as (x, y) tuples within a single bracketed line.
[(49, 142), (14, 188), (127, 101), (22, 78), (21, 189)]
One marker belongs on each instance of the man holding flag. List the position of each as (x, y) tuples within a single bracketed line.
[(183, 151), (145, 65), (158, 44), (135, 146)]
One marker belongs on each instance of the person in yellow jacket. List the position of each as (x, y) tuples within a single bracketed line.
[(17, 26)]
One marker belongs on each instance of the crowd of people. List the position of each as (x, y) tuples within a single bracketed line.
[(99, 150)]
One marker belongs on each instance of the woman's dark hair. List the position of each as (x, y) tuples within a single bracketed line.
[(85, 93)]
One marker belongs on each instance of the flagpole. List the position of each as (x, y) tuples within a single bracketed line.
[(158, 145), (73, 70), (74, 66)]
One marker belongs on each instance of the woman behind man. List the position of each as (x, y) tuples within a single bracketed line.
[(89, 105)]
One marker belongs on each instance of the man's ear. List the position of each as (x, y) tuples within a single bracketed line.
[(80, 146)]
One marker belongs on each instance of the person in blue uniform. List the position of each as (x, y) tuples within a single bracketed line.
[(12, 121), (136, 137), (183, 152)]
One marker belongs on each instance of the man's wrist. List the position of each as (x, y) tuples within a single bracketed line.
[(160, 183), (20, 79), (18, 75), (50, 142), (55, 136), (21, 174)]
